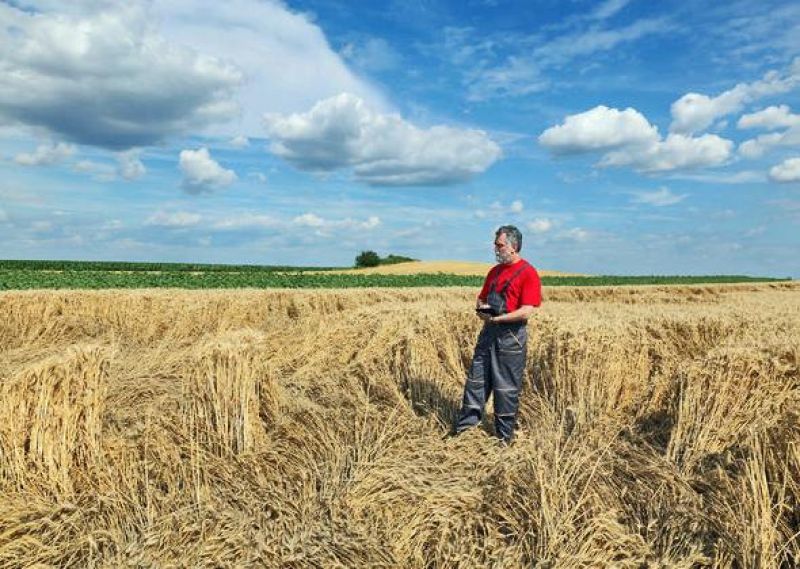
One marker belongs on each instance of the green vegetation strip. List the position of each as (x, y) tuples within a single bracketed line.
[(89, 279), (151, 267)]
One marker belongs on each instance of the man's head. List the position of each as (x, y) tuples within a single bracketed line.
[(507, 244)]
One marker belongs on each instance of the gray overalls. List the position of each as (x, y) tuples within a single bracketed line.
[(497, 366)]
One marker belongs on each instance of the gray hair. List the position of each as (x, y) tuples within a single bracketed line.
[(513, 236)]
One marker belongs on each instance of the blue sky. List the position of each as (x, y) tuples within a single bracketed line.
[(622, 137)]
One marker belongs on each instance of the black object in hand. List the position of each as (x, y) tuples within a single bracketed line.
[(488, 310)]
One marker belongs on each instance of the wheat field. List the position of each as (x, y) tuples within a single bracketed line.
[(660, 428)]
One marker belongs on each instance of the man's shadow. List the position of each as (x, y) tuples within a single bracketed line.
[(427, 398)]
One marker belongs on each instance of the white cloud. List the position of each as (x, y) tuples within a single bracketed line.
[(112, 225), (98, 170), (371, 54), (201, 173), (770, 118), (600, 128), (129, 165), (286, 61), (608, 9), (316, 222), (576, 234), (786, 171), (46, 155), (526, 59), (496, 209), (258, 176), (246, 221), (382, 149), (628, 139), (676, 152), (593, 40), (743, 177), (695, 112), (101, 74), (309, 220), (659, 198), (175, 220), (758, 146), (240, 141), (371, 222), (541, 225)]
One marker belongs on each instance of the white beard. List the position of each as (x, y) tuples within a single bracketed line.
[(501, 258)]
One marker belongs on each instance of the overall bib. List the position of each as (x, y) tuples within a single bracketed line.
[(497, 367)]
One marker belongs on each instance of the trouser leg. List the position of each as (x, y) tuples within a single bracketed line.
[(508, 366), (478, 385)]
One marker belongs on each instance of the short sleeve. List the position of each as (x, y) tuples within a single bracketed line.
[(531, 289)]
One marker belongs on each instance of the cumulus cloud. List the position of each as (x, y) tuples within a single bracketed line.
[(129, 165), (771, 118), (201, 173), (600, 128), (382, 149), (46, 155), (628, 139), (516, 206), (176, 219), (314, 221), (758, 146), (540, 225), (786, 172), (104, 76), (675, 152), (659, 198), (240, 141), (694, 111)]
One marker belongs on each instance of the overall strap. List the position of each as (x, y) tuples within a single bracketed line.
[(524, 266)]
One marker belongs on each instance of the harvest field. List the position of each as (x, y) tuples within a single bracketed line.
[(162, 428)]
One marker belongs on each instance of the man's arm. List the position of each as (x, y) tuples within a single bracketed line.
[(521, 314)]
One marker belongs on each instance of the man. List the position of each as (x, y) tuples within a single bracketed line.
[(510, 292)]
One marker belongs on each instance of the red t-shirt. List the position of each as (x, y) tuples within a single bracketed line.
[(526, 288)]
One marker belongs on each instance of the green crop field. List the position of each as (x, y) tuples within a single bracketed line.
[(16, 275)]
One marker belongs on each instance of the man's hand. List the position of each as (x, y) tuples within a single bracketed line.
[(482, 315)]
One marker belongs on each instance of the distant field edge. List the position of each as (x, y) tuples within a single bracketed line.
[(143, 266), (86, 279)]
